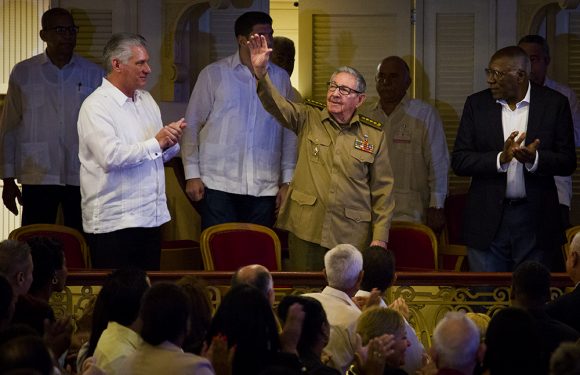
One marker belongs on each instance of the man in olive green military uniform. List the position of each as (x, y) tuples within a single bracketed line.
[(341, 190)]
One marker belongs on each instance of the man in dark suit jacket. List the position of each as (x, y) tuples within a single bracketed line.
[(566, 308), (512, 139)]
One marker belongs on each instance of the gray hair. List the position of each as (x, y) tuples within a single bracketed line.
[(14, 257), (361, 84), (119, 47), (456, 340), (343, 264)]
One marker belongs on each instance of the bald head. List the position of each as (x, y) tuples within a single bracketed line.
[(257, 276), (516, 57), (456, 343)]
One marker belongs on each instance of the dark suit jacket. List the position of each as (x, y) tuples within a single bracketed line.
[(566, 309), (480, 139)]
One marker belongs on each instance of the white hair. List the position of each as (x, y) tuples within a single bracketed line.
[(343, 265), (456, 341)]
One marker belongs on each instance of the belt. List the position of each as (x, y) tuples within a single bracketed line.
[(514, 202)]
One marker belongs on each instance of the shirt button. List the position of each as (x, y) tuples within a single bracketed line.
[(357, 219)]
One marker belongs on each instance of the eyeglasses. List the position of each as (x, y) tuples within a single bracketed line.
[(343, 90), (64, 29), (497, 74)]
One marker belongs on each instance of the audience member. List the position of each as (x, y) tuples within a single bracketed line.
[(416, 144), (343, 272), (115, 328), (315, 333), (38, 127), (237, 159), (283, 55), (512, 213), (457, 347), (531, 291), (246, 319), (513, 344), (122, 147), (49, 274), (377, 321), (342, 157), (538, 50), (257, 276), (566, 360), (200, 317), (379, 273), (16, 265), (566, 308), (26, 354), (165, 312)]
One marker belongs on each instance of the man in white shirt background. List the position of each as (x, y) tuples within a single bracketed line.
[(237, 159), (122, 147), (38, 135)]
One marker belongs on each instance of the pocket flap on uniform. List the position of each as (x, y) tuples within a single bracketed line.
[(302, 198), (357, 215), (362, 156), (319, 139)]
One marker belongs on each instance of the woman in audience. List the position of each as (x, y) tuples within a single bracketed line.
[(165, 312), (200, 319), (377, 321), (315, 333), (115, 329), (513, 344), (48, 275), (246, 319)]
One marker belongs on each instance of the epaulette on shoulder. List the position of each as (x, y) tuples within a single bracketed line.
[(369, 121), (314, 103)]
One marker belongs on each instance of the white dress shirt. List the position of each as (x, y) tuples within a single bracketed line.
[(231, 142), (38, 128), (122, 175), (512, 121), (564, 183), (342, 314)]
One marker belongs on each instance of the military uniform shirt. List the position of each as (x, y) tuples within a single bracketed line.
[(341, 190)]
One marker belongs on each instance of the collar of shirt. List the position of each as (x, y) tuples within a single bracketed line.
[(524, 102), (339, 294), (364, 293), (236, 62), (327, 117), (72, 62), (118, 95)]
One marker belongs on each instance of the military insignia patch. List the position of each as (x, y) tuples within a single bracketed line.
[(364, 145)]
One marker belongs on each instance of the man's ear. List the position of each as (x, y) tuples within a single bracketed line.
[(361, 99), (324, 273), (394, 279), (43, 35), (242, 41)]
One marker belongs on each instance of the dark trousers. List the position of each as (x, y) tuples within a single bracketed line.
[(218, 207), (514, 243), (40, 205), (139, 247)]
